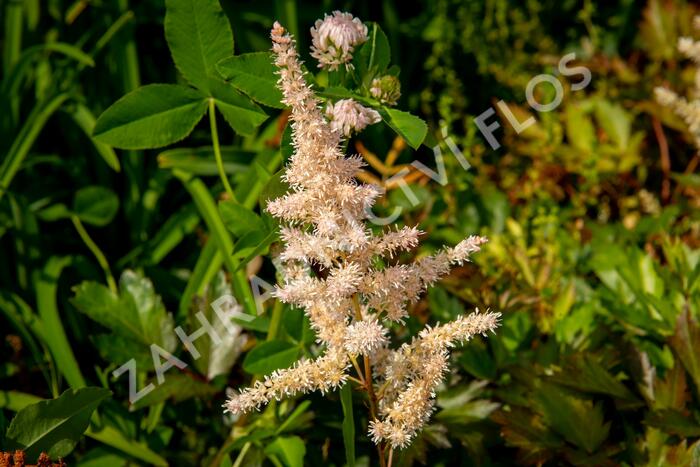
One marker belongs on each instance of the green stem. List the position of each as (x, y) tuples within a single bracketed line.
[(275, 320), (25, 139), (241, 455), (13, 34), (92, 246), (217, 150)]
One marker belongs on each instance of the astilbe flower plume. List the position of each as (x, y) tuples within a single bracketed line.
[(349, 300)]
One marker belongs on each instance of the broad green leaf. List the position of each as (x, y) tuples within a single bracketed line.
[(54, 426), (151, 116), (290, 450), (408, 126), (254, 75), (348, 424), (240, 112), (137, 313), (108, 435), (267, 357), (95, 205), (200, 161), (615, 121), (240, 220), (199, 36)]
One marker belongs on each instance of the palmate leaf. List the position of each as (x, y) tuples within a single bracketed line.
[(152, 116), (199, 36), (577, 420), (240, 112), (54, 426)]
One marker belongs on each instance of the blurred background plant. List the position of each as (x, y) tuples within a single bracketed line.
[(592, 214)]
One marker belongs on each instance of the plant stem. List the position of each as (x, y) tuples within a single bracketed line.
[(391, 457), (99, 256), (217, 150), (275, 320), (241, 455), (369, 386)]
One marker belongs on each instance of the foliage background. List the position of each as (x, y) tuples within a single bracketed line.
[(592, 216)]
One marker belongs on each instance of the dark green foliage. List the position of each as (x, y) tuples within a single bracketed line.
[(592, 215)]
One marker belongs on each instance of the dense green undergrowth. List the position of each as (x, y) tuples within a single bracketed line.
[(116, 228)]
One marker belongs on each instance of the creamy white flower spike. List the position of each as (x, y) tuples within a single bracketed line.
[(348, 116), (334, 39), (330, 269)]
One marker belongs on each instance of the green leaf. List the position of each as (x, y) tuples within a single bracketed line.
[(239, 219), (254, 75), (95, 205), (348, 424), (137, 313), (108, 435), (615, 121), (199, 36), (240, 112), (374, 56), (24, 139), (151, 116), (83, 117), (200, 161), (46, 284), (178, 387), (290, 450), (685, 343), (267, 357), (54, 426), (408, 126), (579, 421), (207, 208)]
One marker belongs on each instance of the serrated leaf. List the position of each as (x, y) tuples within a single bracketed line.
[(199, 36), (267, 357), (151, 116), (408, 126), (54, 426), (254, 75), (137, 313), (95, 205), (579, 421)]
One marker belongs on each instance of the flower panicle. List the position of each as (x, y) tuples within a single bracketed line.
[(331, 264)]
